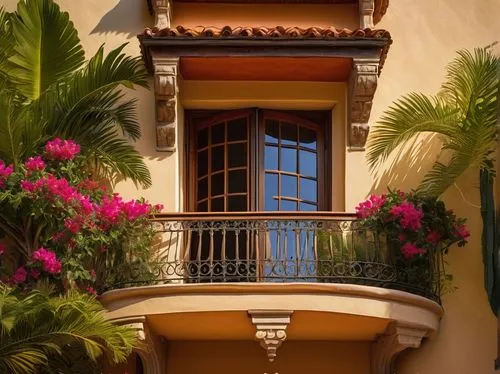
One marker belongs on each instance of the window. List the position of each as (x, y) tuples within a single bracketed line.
[(255, 160)]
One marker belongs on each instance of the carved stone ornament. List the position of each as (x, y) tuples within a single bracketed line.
[(271, 329), (362, 87), (150, 346), (397, 338), (166, 103), (366, 9), (163, 13)]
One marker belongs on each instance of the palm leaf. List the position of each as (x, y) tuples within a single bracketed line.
[(47, 47)]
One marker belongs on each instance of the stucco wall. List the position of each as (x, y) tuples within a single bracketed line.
[(247, 357)]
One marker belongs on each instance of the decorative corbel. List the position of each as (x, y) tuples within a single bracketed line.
[(271, 329), (366, 9), (397, 338), (166, 102), (163, 13), (362, 87), (150, 346)]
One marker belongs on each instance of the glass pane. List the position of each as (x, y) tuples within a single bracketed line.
[(203, 207), (202, 188), (288, 186), (237, 181), (307, 161), (218, 133), (288, 205), (237, 203), (237, 154), (304, 207), (237, 129), (308, 189), (271, 191), (202, 163), (307, 137), (271, 157), (289, 160), (288, 133), (217, 184), (217, 158), (217, 204), (272, 131), (202, 138)]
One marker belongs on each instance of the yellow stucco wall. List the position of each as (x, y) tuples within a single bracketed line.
[(247, 357), (426, 34)]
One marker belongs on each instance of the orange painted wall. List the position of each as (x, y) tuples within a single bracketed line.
[(242, 357)]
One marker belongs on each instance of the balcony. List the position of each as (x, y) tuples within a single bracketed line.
[(321, 276), (283, 247)]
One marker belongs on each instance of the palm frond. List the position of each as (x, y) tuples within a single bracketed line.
[(47, 47), (409, 116)]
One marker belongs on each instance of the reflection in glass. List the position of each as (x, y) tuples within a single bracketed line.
[(305, 207), (288, 133), (237, 129), (271, 191), (237, 203), (288, 205), (307, 162), (307, 138), (237, 181), (288, 186), (202, 138), (217, 184), (202, 163), (289, 160), (217, 158), (272, 130), (308, 189), (202, 188), (218, 133), (237, 155), (270, 158)]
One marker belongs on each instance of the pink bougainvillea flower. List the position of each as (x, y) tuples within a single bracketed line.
[(134, 209), (5, 171), (2, 248), (20, 275), (63, 150), (433, 237), (48, 259), (158, 207), (35, 273), (462, 232), (91, 290), (371, 206), (35, 163), (410, 216), (27, 186), (410, 250), (73, 225), (93, 274)]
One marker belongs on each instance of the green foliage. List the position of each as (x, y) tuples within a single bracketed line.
[(463, 114), (47, 89), (39, 332)]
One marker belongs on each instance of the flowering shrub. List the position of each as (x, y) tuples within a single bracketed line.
[(68, 228), (418, 225)]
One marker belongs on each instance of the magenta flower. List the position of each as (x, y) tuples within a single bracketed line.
[(63, 150), (410, 250), (5, 171), (93, 274), (158, 207), (35, 273), (433, 237), (48, 259), (73, 225), (371, 206), (2, 248), (20, 275), (27, 186), (35, 164), (91, 290), (462, 232), (410, 216), (134, 209)]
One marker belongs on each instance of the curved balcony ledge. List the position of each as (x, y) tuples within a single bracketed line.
[(181, 303)]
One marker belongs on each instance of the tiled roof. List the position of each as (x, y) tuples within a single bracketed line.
[(267, 32)]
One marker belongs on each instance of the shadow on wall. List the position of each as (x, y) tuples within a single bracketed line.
[(128, 17), (408, 165)]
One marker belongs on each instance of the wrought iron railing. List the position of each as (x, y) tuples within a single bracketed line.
[(322, 247)]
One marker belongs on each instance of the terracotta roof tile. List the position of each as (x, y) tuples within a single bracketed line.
[(266, 32)]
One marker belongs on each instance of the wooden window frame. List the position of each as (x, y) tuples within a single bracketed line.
[(255, 157)]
